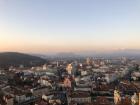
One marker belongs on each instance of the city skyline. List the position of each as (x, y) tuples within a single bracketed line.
[(69, 25)]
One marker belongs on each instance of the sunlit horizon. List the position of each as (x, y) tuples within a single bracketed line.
[(33, 26)]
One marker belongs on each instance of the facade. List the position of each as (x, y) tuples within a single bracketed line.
[(79, 97)]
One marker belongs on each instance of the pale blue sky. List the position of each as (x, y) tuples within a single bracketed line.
[(69, 25)]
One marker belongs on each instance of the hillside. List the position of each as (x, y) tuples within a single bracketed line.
[(15, 59)]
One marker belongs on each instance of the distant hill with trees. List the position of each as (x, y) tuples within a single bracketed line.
[(16, 59)]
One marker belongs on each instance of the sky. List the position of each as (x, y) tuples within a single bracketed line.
[(45, 26)]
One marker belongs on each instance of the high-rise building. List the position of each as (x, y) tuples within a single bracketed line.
[(88, 61), (69, 69)]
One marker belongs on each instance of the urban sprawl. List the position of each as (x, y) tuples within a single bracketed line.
[(79, 81)]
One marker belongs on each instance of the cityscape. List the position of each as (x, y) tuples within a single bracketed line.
[(69, 52), (71, 81)]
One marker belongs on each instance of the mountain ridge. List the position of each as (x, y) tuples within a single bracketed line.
[(8, 59)]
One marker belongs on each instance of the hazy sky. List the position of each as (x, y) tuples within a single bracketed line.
[(69, 25)]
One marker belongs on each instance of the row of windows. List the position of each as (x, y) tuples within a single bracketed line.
[(81, 99)]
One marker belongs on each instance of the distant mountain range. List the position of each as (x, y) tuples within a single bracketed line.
[(118, 53), (8, 59), (130, 53)]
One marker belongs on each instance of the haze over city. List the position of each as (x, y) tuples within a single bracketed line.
[(49, 26), (69, 52)]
